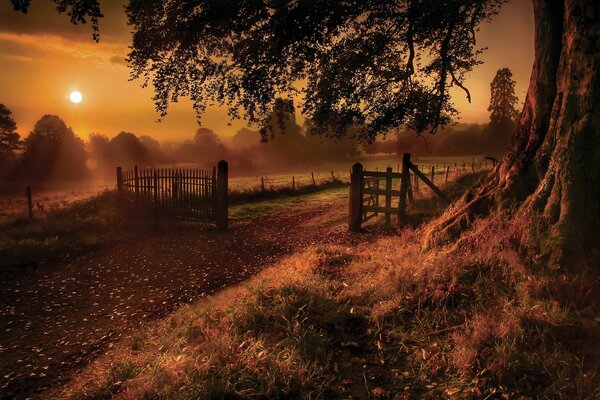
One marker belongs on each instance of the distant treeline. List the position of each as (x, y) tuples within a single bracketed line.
[(451, 141), (52, 151)]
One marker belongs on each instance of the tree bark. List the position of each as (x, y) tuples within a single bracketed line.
[(552, 169)]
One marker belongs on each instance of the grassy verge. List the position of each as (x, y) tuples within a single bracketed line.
[(65, 231), (253, 195), (60, 232), (479, 319)]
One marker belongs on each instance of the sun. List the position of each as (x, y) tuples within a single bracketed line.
[(75, 97)]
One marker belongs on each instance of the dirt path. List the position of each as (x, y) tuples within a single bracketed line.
[(57, 318)]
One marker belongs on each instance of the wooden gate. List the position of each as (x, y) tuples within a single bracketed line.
[(365, 191), (192, 194)]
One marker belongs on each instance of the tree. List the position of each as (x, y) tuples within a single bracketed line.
[(52, 151), (9, 138), (328, 147), (552, 170), (127, 150), (9, 142), (503, 113), (381, 65), (503, 100), (284, 143), (155, 153), (98, 146), (206, 149)]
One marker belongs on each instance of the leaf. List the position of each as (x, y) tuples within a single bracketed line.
[(379, 391), (452, 391)]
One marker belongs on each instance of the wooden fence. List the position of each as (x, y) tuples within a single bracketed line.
[(365, 192), (192, 194)]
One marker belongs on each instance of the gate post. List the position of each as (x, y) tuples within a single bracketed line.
[(221, 211), (355, 198), (388, 196), (404, 187)]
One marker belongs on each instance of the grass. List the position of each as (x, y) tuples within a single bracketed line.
[(253, 195), (69, 229), (60, 231), (286, 203), (480, 318)]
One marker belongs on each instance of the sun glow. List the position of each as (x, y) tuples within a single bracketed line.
[(75, 97)]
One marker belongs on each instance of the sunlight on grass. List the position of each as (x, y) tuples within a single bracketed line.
[(382, 318), (286, 203)]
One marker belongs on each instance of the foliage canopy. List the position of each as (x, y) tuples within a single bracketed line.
[(373, 64)]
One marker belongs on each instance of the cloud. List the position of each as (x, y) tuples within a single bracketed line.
[(119, 60), (22, 47), (15, 57)]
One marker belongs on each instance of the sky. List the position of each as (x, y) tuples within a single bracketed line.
[(43, 58)]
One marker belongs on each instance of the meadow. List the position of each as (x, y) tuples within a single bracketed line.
[(13, 201)]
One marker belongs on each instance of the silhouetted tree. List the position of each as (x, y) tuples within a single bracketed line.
[(52, 151), (245, 139), (330, 147), (9, 142), (98, 146), (9, 138), (503, 100), (206, 149), (155, 153), (127, 150), (288, 146)]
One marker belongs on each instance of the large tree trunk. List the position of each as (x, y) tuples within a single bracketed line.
[(552, 170)]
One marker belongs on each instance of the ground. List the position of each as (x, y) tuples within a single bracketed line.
[(321, 312), (60, 315)]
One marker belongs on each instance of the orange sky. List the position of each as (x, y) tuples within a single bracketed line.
[(43, 58)]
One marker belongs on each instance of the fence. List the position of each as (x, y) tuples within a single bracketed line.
[(363, 208), (192, 194)]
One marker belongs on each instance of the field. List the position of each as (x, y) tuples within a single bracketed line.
[(289, 303), (89, 243), (46, 197)]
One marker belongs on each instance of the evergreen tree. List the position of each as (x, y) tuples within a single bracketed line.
[(9, 138), (503, 100)]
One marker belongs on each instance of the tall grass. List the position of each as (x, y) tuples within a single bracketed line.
[(481, 318)]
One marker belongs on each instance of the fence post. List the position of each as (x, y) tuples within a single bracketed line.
[(411, 198), (447, 172), (333, 176), (312, 174), (120, 184), (356, 184), (222, 195), (293, 183), (262, 184), (29, 203), (404, 187), (388, 196), (377, 196)]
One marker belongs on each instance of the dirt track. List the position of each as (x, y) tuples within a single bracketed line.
[(56, 318)]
